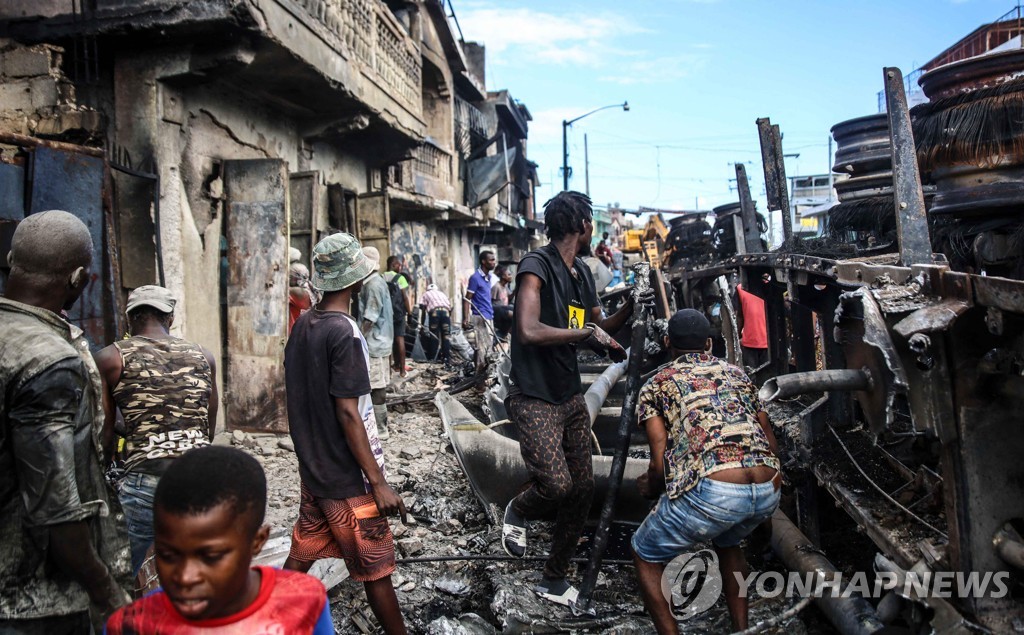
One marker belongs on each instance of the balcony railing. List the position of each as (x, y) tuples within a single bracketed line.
[(366, 30), (431, 161), (470, 126)]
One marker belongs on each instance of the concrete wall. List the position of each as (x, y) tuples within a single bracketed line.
[(36, 97), (440, 254), (191, 131)]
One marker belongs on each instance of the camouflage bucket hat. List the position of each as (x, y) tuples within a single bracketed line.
[(339, 263)]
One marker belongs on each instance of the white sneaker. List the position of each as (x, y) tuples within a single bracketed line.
[(557, 591), (513, 533)]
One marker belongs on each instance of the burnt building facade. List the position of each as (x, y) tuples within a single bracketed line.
[(205, 139)]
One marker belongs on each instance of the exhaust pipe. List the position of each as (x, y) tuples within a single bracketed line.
[(815, 381), (1009, 547), (851, 615)]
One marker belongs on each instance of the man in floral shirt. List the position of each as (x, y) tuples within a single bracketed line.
[(714, 460)]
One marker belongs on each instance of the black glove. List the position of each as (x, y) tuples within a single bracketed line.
[(601, 342)]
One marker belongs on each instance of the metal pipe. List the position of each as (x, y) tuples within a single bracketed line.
[(597, 394), (642, 275), (849, 615), (1009, 548), (815, 381), (501, 558)]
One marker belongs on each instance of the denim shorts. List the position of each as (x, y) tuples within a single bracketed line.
[(136, 495), (721, 513)]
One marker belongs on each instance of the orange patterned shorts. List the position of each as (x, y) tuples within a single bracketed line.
[(351, 529)]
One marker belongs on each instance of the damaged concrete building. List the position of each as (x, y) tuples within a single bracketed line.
[(201, 140)]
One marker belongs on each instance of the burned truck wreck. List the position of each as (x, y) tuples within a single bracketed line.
[(895, 373), (896, 340)]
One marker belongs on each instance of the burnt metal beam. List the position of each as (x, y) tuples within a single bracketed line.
[(751, 239), (775, 173), (812, 422), (642, 271), (778, 334), (804, 342), (911, 221)]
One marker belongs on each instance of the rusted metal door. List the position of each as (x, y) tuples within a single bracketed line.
[(74, 183), (12, 211), (373, 223), (256, 229)]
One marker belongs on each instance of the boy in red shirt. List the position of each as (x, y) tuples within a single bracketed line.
[(208, 516)]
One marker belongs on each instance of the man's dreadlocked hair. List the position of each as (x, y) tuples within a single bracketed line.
[(564, 214)]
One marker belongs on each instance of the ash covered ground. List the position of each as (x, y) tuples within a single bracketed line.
[(473, 596)]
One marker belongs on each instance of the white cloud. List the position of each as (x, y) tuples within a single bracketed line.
[(523, 35), (657, 70), (546, 37)]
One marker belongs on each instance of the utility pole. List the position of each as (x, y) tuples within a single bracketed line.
[(566, 170), (831, 177), (586, 165)]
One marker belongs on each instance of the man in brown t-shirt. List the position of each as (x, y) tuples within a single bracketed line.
[(345, 494)]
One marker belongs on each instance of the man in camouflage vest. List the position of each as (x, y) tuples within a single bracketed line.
[(166, 391)]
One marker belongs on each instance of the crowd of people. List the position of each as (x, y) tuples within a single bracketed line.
[(199, 508)]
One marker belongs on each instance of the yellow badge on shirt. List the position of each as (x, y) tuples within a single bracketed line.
[(577, 317)]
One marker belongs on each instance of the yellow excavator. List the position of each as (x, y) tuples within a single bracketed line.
[(651, 238)]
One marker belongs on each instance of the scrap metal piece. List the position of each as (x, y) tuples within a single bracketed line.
[(74, 181), (793, 384), (932, 318), (751, 243), (911, 224), (867, 344), (775, 173)]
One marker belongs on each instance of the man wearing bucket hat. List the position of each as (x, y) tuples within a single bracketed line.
[(166, 391), (379, 331), (345, 497)]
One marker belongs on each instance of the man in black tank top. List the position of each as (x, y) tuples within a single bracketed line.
[(166, 391), (556, 309)]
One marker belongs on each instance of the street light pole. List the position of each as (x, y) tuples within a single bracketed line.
[(565, 155), (565, 138)]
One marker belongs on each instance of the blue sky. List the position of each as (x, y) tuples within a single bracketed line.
[(697, 73)]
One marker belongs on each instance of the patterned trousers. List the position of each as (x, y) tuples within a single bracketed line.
[(555, 442)]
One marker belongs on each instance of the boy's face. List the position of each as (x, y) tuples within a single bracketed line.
[(203, 561)]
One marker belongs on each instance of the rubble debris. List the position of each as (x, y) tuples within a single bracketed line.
[(447, 520)]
